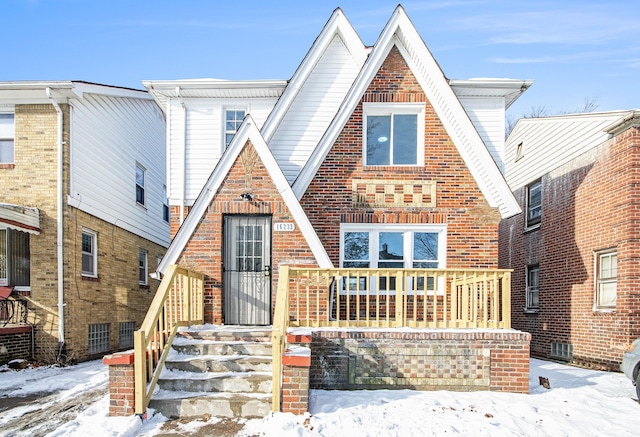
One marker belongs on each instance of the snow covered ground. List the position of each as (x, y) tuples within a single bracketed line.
[(579, 402)]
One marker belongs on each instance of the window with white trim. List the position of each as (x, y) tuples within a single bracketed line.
[(606, 279), (7, 134), (534, 203), (89, 253), (140, 175), (533, 287), (15, 259), (232, 121), (143, 267), (165, 204), (391, 246), (393, 134)]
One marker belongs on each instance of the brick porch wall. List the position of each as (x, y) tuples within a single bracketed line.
[(458, 360), (15, 343)]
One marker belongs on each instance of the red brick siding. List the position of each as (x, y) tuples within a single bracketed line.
[(590, 204), (203, 252), (472, 234)]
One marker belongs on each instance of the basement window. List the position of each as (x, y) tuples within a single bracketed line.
[(99, 338), (126, 334), (562, 351)]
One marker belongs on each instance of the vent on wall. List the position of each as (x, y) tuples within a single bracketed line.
[(562, 350)]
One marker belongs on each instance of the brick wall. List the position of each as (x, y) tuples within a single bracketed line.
[(116, 296), (472, 226), (15, 343), (461, 360), (203, 253), (589, 204)]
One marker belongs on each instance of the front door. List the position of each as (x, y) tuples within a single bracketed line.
[(247, 270)]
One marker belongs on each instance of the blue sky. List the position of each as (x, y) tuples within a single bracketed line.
[(574, 50)]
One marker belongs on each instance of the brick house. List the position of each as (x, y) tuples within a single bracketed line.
[(574, 249), (83, 215), (368, 156)]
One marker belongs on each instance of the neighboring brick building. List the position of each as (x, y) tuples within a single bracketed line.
[(574, 250), (82, 212), (370, 157)]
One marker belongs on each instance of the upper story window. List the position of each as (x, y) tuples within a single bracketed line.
[(534, 203), (606, 279), (232, 121), (165, 204), (392, 246), (15, 266), (393, 134), (7, 134), (143, 267), (89, 253), (140, 174), (533, 287)]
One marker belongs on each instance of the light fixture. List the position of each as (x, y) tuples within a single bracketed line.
[(247, 196)]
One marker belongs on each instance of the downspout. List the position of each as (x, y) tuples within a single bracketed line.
[(59, 241), (183, 193)]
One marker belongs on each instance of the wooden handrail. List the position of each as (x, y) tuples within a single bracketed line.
[(389, 298), (179, 301)]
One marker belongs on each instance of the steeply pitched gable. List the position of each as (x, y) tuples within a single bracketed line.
[(401, 33), (247, 133)]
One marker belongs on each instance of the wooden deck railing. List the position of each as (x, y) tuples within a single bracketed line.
[(389, 298), (179, 301)]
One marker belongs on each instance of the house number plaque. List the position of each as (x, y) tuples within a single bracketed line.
[(286, 227)]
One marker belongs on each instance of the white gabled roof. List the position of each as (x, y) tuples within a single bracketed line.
[(400, 32), (336, 25), (546, 143), (247, 132)]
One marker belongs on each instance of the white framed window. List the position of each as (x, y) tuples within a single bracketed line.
[(89, 253), (392, 246), (99, 338), (533, 287), (232, 121), (7, 137), (393, 134), (15, 259), (143, 267), (606, 267), (534, 204), (165, 204), (140, 176)]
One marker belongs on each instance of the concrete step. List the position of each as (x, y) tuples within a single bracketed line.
[(219, 363), (227, 333), (230, 382), (212, 404), (211, 347)]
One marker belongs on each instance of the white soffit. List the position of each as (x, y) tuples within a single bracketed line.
[(21, 218)]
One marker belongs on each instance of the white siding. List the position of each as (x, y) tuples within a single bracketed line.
[(109, 135), (314, 108), (548, 143), (204, 142), (487, 115)]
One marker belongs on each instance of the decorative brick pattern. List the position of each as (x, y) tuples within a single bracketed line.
[(388, 193), (589, 204), (421, 359)]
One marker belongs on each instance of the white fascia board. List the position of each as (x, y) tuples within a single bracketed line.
[(247, 131), (337, 24), (108, 90), (400, 31)]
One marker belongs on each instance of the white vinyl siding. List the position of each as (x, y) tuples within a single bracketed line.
[(109, 134), (548, 143), (487, 115), (203, 144), (314, 108)]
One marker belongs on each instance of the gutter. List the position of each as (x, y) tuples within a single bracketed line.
[(59, 241)]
